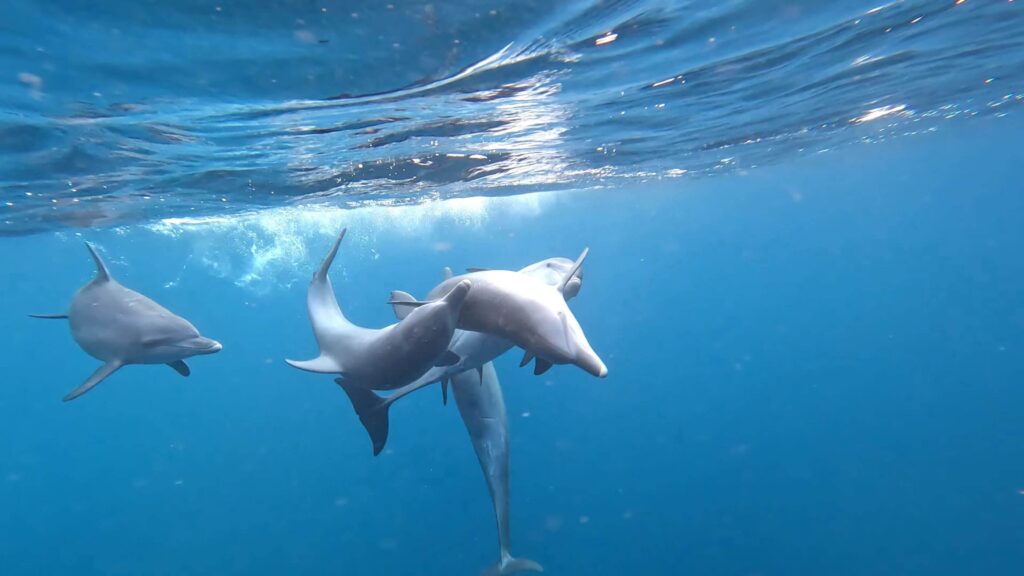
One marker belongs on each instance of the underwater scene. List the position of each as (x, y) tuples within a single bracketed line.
[(592, 287)]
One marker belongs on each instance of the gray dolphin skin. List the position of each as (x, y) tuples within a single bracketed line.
[(473, 348), (384, 359), (482, 407), (528, 312), (120, 326)]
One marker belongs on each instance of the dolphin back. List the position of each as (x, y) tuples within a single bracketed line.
[(482, 407), (330, 327)]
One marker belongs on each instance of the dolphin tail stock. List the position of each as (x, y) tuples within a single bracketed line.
[(372, 411), (510, 565), (49, 316)]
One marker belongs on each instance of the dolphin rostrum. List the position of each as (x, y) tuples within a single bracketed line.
[(382, 359), (525, 310), (474, 349), (120, 326), (482, 408)]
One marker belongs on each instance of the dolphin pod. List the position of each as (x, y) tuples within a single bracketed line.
[(451, 337), (473, 348), (120, 326)]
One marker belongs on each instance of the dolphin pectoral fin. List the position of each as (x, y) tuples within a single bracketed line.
[(471, 270), (97, 377), (180, 367), (527, 356), (372, 411), (575, 268), (397, 297), (49, 316), (449, 358), (510, 565), (321, 365), (541, 366), (444, 392)]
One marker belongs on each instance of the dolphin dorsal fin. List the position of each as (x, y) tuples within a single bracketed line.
[(102, 274), (447, 273), (575, 268), (325, 266)]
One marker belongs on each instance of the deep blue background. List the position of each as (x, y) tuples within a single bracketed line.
[(815, 368)]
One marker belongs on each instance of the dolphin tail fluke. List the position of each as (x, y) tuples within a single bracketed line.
[(510, 565), (372, 411), (49, 316), (97, 377), (320, 365)]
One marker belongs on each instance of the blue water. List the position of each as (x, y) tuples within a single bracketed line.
[(804, 277)]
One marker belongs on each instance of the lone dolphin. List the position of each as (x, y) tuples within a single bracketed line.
[(120, 326), (525, 310), (482, 408), (382, 359), (473, 348)]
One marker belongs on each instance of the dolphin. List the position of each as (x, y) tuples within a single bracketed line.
[(525, 310), (382, 359), (120, 326), (482, 407), (474, 349)]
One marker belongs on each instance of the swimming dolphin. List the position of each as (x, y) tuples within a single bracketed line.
[(525, 310), (474, 349), (482, 407), (382, 359), (120, 326)]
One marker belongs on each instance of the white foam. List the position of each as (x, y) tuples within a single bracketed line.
[(268, 249)]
